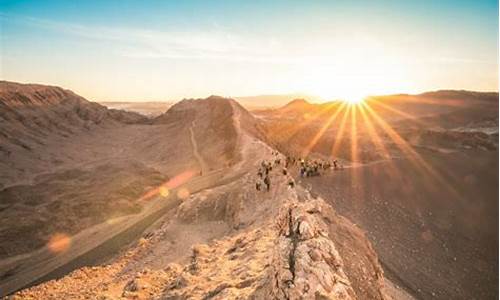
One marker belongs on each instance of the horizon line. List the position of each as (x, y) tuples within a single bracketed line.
[(300, 95)]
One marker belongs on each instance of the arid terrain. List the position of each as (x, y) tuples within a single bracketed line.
[(100, 203), (149, 109)]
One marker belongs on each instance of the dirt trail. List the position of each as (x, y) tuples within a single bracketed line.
[(201, 161), (252, 150)]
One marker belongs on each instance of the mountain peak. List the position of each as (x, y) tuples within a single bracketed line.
[(297, 102), (15, 94), (216, 97)]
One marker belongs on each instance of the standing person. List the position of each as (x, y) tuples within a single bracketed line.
[(267, 182), (257, 185)]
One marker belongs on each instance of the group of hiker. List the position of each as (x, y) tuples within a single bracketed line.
[(307, 168), (263, 175), (314, 167), (264, 172)]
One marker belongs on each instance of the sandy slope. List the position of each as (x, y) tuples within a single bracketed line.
[(441, 233)]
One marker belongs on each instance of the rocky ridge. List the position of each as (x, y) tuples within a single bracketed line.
[(293, 256)]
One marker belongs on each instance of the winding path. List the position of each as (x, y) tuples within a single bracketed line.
[(201, 161)]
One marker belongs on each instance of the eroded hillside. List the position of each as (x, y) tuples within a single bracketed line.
[(68, 163)]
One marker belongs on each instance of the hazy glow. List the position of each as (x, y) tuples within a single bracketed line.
[(183, 193), (354, 100)]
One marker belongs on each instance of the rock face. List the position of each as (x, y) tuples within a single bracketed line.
[(306, 262), (293, 259)]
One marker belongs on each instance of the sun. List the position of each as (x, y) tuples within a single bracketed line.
[(349, 92), (353, 100)]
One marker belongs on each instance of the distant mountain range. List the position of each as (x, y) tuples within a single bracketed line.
[(262, 102), (270, 101)]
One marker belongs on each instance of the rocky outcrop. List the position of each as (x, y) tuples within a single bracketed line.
[(306, 263), (291, 258)]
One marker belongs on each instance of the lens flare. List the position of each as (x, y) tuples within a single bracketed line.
[(164, 192), (112, 221), (170, 184), (59, 243)]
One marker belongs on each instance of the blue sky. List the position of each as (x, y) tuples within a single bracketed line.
[(166, 50)]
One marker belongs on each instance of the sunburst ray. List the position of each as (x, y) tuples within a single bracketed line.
[(322, 131), (414, 157)]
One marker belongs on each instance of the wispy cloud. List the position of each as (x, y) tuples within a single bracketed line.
[(219, 43), (214, 43), (461, 60)]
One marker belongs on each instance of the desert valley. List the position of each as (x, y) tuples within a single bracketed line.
[(104, 203)]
